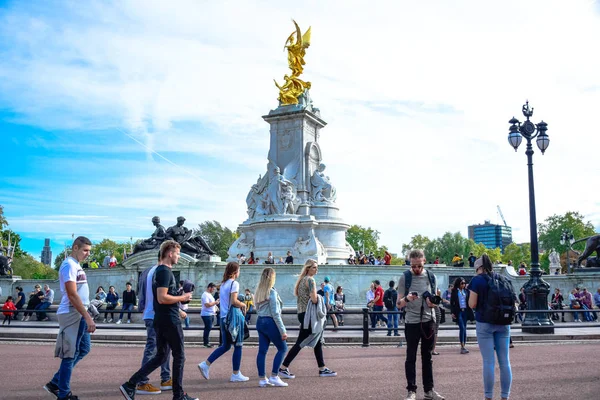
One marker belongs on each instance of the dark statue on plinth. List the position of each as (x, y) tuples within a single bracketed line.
[(5, 268), (154, 242), (194, 246), (592, 245)]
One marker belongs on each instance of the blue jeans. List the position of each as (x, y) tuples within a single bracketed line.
[(378, 317), (236, 359), (126, 307), (392, 321), (267, 334), (490, 337), (208, 324), (462, 327), (150, 352), (42, 306), (575, 314), (62, 378), (248, 314)]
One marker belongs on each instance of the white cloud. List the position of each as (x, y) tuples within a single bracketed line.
[(417, 97)]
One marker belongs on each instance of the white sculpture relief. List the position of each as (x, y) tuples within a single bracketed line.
[(322, 189), (272, 194)]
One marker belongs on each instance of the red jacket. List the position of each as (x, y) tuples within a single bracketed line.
[(387, 259), (9, 305)]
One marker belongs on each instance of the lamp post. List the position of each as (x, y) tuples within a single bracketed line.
[(566, 238), (536, 289)]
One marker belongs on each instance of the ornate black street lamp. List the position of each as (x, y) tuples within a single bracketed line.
[(536, 289), (567, 239)]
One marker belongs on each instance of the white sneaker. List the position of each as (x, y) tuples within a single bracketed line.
[(104, 320), (433, 395), (411, 395), (264, 383), (118, 322), (276, 381), (204, 369), (238, 378), (128, 321), (109, 320)]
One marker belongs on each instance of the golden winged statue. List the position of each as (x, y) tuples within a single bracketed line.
[(296, 45)]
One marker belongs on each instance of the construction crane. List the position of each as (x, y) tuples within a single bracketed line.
[(501, 216)]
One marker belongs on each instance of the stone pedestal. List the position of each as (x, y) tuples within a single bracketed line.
[(304, 219)]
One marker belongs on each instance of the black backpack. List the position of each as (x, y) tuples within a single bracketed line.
[(499, 303), (388, 298), (408, 281)]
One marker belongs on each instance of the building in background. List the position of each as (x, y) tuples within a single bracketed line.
[(47, 253), (491, 235)]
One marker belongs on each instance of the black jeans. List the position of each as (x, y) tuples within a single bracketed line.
[(414, 333), (167, 335), (208, 323), (304, 333)]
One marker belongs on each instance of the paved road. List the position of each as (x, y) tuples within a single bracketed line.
[(540, 372)]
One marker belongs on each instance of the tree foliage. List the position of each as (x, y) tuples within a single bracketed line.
[(218, 237), (3, 221), (552, 228), (517, 253), (28, 267), (446, 246), (416, 242), (363, 239), (15, 241)]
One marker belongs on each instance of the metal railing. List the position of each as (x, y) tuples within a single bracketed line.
[(365, 327)]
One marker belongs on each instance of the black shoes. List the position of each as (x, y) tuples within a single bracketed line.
[(69, 397), (186, 397), (128, 391), (51, 388)]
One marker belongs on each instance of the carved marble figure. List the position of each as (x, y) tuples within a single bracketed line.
[(322, 189), (554, 258), (280, 193), (256, 199), (194, 246), (155, 240)]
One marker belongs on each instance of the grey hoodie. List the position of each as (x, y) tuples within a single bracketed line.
[(315, 317)]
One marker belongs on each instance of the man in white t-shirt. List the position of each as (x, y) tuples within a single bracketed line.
[(74, 322), (209, 310)]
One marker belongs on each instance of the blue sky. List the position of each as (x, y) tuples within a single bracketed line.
[(113, 112)]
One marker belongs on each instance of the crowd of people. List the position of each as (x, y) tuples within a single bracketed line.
[(414, 300), (251, 259)]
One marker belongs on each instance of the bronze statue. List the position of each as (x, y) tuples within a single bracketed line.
[(5, 268), (194, 246), (155, 240), (592, 245), (296, 45)]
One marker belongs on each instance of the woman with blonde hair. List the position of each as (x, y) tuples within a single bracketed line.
[(305, 290), (270, 328), (228, 298)]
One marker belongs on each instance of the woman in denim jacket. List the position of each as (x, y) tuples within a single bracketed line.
[(270, 328)]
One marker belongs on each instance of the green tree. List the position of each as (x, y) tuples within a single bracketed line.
[(416, 242), (552, 228), (28, 267), (446, 246), (108, 247), (479, 248), (517, 253), (218, 237), (60, 257), (363, 239), (3, 221)]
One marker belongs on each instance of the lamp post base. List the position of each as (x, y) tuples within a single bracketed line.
[(536, 291)]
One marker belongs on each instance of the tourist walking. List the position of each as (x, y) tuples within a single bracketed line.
[(129, 303), (328, 298), (112, 300), (311, 327), (340, 304), (74, 322), (167, 325), (232, 320), (390, 298), (269, 325), (459, 303), (493, 334), (146, 307), (420, 324), (209, 312)]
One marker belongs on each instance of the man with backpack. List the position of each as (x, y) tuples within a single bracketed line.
[(390, 297), (418, 285), (493, 298)]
